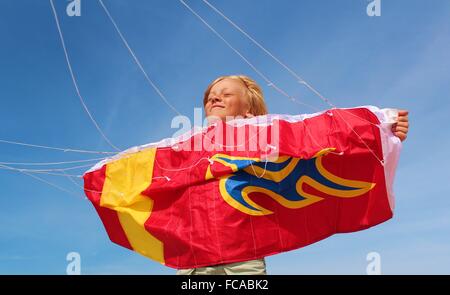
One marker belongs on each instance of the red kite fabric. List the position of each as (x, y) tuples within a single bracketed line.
[(249, 188)]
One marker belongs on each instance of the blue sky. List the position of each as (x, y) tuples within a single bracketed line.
[(399, 59)]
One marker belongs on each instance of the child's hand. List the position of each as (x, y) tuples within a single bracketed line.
[(400, 128)]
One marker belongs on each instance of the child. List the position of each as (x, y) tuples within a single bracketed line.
[(228, 97)]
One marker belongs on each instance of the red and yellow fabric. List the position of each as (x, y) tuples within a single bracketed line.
[(186, 207)]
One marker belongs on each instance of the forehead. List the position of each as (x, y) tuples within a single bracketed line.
[(230, 84)]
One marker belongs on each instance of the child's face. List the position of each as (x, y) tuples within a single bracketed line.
[(227, 99)]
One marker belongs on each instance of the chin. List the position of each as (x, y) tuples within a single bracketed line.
[(219, 115)]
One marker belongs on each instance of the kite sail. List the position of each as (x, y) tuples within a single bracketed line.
[(245, 189)]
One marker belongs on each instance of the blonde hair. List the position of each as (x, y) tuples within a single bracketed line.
[(254, 93)]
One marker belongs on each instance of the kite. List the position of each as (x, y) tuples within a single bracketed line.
[(249, 188)]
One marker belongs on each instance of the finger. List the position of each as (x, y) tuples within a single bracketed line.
[(403, 112), (402, 118), (401, 135), (402, 124), (401, 129)]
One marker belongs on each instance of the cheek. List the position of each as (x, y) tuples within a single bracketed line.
[(236, 103), (242, 106)]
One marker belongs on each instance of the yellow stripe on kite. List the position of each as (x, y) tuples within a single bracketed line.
[(125, 180)]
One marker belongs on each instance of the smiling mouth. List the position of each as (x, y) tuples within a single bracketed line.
[(217, 106)]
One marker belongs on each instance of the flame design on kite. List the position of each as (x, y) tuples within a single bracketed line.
[(281, 180)]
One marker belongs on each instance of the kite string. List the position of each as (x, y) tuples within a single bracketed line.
[(75, 81), (136, 60), (50, 163), (140, 66), (270, 83), (54, 169), (292, 72), (41, 172), (49, 171), (73, 181), (68, 176), (264, 77), (160, 93), (55, 148), (41, 180), (287, 68)]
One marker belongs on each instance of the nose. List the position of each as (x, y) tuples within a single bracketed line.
[(216, 98)]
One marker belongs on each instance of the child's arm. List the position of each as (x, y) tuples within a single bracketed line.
[(400, 128)]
